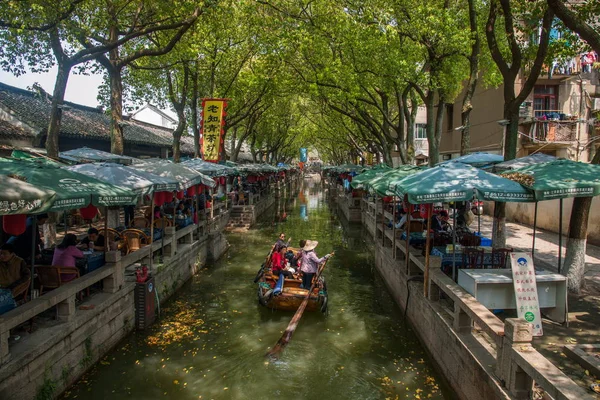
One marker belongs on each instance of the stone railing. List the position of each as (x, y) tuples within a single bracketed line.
[(516, 363), (112, 276)]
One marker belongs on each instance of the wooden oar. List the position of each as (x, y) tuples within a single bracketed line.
[(287, 335)]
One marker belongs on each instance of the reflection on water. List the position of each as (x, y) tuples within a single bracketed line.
[(211, 340)]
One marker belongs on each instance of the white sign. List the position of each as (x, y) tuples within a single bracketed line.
[(526, 294)]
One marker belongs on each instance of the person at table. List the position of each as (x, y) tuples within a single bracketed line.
[(279, 262), (439, 221), (93, 236), (461, 227), (67, 253), (310, 263), (13, 269), (22, 244)]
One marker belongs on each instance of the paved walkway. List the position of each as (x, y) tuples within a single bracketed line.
[(584, 309)]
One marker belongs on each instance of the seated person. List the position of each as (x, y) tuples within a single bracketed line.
[(66, 253), (280, 243), (13, 269), (95, 238), (22, 243), (439, 221), (461, 227), (279, 262)]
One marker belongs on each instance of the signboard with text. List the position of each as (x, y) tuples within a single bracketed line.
[(526, 294), (211, 128)]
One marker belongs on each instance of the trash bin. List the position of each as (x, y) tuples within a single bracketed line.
[(145, 304)]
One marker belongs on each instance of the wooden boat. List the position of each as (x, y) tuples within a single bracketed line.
[(271, 294)]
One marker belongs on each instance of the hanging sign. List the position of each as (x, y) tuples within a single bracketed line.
[(211, 128), (526, 294), (303, 154)]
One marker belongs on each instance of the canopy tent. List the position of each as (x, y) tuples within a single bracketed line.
[(185, 176), (561, 178), (19, 197), (380, 184), (73, 190), (141, 182), (24, 155), (523, 162), (360, 181), (88, 155), (478, 159), (459, 182), (208, 168)]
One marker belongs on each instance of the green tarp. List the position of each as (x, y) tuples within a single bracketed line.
[(141, 182), (208, 168), (459, 182), (381, 184), (73, 190), (88, 155), (18, 197), (186, 177), (563, 178), (359, 181), (478, 159)]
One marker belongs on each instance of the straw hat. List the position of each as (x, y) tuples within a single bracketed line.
[(310, 245)]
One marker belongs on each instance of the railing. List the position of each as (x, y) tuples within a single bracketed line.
[(112, 276), (517, 364), (554, 131)]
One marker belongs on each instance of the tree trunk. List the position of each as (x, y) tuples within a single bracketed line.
[(194, 113), (58, 98), (576, 244), (465, 139), (177, 135), (117, 142), (430, 113)]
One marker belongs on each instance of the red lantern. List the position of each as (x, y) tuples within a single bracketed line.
[(14, 224), (88, 212), (251, 179), (200, 189), (168, 196), (216, 181), (180, 195), (425, 211), (349, 178), (222, 180), (159, 198), (192, 190)]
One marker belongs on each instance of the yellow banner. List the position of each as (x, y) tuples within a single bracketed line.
[(212, 128)]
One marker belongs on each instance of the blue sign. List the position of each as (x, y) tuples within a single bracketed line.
[(303, 154)]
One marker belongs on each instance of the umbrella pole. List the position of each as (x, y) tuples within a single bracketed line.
[(560, 229), (106, 241), (427, 251), (152, 231), (212, 205), (454, 242), (478, 221), (33, 247), (535, 212), (394, 228), (65, 222), (407, 244), (382, 222)]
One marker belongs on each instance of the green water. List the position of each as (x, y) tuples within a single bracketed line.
[(211, 340)]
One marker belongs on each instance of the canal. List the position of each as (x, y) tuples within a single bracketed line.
[(211, 339)]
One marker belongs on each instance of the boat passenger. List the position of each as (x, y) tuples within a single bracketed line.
[(280, 243), (310, 263), (278, 263)]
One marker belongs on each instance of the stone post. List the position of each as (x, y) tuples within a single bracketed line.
[(65, 310), (517, 333)]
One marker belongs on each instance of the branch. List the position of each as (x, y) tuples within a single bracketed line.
[(490, 33), (45, 27), (571, 20)]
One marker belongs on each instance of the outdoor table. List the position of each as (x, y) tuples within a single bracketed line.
[(183, 222), (448, 256), (91, 261), (495, 290), (416, 238)]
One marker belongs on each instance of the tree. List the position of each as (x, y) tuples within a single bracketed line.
[(513, 56), (580, 19)]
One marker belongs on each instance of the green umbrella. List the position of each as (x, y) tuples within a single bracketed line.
[(359, 180), (209, 168), (477, 159), (381, 184), (563, 178), (141, 182), (459, 182), (73, 190), (88, 155), (19, 197), (186, 177)]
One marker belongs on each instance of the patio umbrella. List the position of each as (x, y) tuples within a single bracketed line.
[(209, 168), (360, 180), (185, 176), (73, 190), (523, 162), (459, 182), (381, 184), (19, 197), (477, 159), (87, 155), (140, 182)]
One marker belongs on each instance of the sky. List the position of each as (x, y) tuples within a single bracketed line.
[(81, 89)]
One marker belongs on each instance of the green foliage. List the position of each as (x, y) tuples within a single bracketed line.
[(47, 388)]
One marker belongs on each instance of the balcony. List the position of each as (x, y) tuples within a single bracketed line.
[(552, 130)]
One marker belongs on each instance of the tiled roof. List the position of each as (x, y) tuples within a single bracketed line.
[(78, 121), (8, 130)]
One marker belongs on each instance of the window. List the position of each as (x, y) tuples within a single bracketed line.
[(446, 157), (420, 131), (545, 100), (450, 116)]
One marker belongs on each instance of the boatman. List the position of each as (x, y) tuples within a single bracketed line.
[(280, 243), (310, 263)]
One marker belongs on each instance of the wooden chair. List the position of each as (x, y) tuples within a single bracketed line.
[(140, 222), (416, 226), (21, 291), (52, 277), (499, 257), (470, 240), (135, 239), (472, 258), (162, 223)]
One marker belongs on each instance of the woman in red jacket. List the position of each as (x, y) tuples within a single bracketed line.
[(278, 263)]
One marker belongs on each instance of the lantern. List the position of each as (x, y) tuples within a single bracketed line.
[(200, 189), (251, 179), (159, 198), (350, 178), (14, 224), (179, 195), (88, 212), (192, 191), (216, 181), (222, 180), (425, 211), (168, 196)]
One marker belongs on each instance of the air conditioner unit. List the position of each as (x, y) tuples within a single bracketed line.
[(596, 104)]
